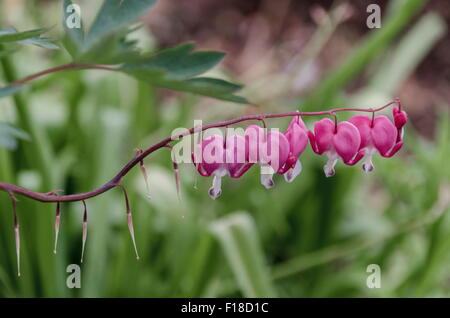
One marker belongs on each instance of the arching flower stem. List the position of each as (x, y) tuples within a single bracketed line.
[(45, 197)]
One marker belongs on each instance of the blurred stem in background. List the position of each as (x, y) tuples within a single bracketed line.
[(38, 151), (366, 51)]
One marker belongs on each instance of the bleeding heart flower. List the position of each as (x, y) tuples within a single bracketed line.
[(297, 136), (336, 141), (220, 158), (269, 149), (377, 135)]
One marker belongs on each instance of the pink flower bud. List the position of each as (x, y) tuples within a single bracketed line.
[(400, 117)]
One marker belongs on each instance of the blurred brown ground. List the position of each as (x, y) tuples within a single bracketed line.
[(248, 30)]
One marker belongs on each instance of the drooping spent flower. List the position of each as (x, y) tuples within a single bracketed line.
[(378, 134), (336, 141), (221, 157)]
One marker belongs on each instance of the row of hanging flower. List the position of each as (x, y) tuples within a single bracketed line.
[(276, 152)]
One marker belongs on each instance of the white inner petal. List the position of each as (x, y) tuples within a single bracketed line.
[(292, 173), (329, 166), (266, 176), (216, 189), (267, 181), (367, 164)]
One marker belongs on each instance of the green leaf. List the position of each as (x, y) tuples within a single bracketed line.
[(74, 36), (112, 49), (106, 41), (238, 237), (27, 37), (44, 42), (9, 135), (175, 67), (211, 87), (12, 35), (115, 15), (10, 90), (178, 62), (214, 85)]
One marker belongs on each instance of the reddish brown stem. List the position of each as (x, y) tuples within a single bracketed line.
[(65, 67)]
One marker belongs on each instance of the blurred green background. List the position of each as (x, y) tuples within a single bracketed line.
[(312, 238)]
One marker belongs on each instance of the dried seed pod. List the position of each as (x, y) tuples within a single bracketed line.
[(144, 172), (177, 178), (16, 231), (57, 224), (129, 219), (84, 237)]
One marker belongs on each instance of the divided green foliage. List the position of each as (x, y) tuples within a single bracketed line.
[(11, 36), (106, 43), (74, 36), (174, 68), (178, 62), (111, 49), (114, 15), (43, 42)]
